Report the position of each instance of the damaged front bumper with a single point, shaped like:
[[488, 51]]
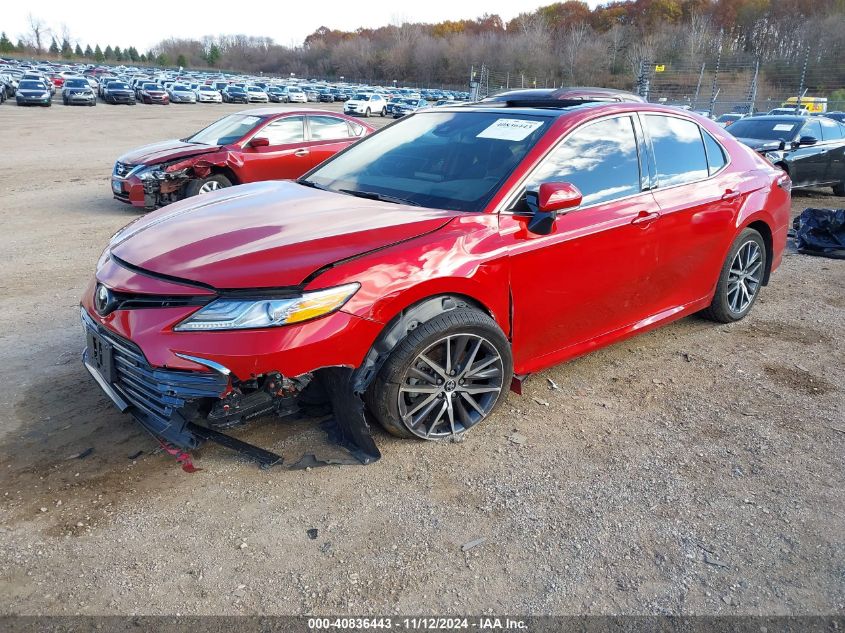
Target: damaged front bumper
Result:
[[184, 407]]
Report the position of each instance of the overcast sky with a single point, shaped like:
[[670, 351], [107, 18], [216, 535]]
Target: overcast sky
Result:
[[143, 24]]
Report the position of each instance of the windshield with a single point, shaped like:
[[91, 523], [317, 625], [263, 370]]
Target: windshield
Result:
[[76, 83], [729, 117], [151, 87], [30, 84], [207, 89], [118, 85], [444, 160], [227, 130], [178, 88], [765, 129], [361, 97], [255, 89]]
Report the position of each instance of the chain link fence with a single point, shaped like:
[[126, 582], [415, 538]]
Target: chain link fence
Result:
[[725, 84]]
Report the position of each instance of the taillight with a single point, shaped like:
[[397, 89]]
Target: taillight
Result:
[[784, 182]]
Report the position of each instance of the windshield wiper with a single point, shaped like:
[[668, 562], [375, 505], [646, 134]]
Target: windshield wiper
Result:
[[313, 185], [372, 195]]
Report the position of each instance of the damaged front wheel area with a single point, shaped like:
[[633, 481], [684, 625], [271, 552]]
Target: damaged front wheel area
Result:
[[444, 377], [199, 186]]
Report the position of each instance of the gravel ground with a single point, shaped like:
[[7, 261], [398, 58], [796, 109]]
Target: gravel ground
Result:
[[696, 469]]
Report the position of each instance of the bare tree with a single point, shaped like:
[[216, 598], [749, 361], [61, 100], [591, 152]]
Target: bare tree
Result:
[[38, 31]]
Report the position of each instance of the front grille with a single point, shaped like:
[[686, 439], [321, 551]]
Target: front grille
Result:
[[156, 394]]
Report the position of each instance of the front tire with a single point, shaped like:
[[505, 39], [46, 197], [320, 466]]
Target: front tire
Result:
[[740, 279], [367, 113], [447, 375], [200, 186], [384, 112], [839, 190]]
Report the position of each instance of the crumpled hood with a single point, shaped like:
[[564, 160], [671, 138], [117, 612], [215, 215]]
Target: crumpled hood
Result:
[[164, 151], [267, 234], [760, 145]]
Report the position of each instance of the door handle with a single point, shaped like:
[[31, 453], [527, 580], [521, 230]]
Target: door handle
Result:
[[730, 194], [645, 217], [301, 152]]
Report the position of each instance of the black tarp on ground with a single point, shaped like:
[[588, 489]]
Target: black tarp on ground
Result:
[[821, 232]]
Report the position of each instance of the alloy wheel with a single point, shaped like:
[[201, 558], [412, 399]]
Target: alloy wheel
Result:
[[744, 276], [450, 386], [208, 187]]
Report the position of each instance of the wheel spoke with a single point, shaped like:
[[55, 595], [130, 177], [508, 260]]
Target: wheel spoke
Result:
[[492, 372], [473, 371], [437, 419], [420, 405], [420, 389], [476, 390], [450, 412], [472, 402], [436, 367], [418, 373], [459, 350], [448, 355], [415, 422]]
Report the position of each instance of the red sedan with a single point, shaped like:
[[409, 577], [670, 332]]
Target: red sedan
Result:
[[431, 267], [259, 144]]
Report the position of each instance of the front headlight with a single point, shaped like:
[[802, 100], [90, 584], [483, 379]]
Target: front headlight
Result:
[[241, 314], [46, 94]]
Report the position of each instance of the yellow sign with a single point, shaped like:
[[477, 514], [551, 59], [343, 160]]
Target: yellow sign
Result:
[[660, 68]]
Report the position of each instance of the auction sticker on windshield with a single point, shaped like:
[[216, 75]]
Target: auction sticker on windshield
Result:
[[783, 127], [510, 129]]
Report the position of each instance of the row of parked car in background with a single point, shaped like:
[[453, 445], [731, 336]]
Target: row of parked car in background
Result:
[[32, 83]]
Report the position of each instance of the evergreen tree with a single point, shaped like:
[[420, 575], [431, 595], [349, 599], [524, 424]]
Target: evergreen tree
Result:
[[77, 51], [133, 54], [88, 54], [98, 53], [118, 54], [21, 46], [213, 55], [143, 58], [181, 61], [6, 45], [54, 48], [67, 49], [162, 60], [108, 53]]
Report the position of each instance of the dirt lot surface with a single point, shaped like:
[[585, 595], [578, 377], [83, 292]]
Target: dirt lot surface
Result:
[[697, 469]]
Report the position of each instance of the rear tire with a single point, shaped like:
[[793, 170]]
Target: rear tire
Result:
[[367, 113], [199, 186], [740, 279], [455, 394], [384, 112]]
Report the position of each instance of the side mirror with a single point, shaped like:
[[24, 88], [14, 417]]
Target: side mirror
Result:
[[259, 141], [547, 201], [807, 140]]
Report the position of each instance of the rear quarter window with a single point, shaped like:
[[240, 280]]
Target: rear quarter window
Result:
[[678, 150], [716, 158]]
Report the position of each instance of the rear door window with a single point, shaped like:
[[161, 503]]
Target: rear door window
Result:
[[678, 150], [831, 130], [326, 128], [601, 159], [285, 131]]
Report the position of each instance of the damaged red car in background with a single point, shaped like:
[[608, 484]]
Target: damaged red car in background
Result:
[[429, 268], [260, 144]]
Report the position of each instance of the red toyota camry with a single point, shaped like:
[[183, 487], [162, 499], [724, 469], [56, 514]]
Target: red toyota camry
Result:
[[258, 144], [426, 269]]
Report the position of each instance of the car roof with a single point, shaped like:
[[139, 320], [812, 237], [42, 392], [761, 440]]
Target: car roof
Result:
[[565, 108], [300, 111], [792, 118]]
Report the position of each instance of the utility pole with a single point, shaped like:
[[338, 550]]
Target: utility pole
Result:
[[698, 87], [801, 89], [752, 93], [714, 92]]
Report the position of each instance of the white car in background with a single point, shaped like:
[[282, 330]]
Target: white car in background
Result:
[[256, 94], [366, 104], [209, 94], [296, 95]]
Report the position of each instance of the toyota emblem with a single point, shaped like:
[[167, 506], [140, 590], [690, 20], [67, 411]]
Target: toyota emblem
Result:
[[103, 300]]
